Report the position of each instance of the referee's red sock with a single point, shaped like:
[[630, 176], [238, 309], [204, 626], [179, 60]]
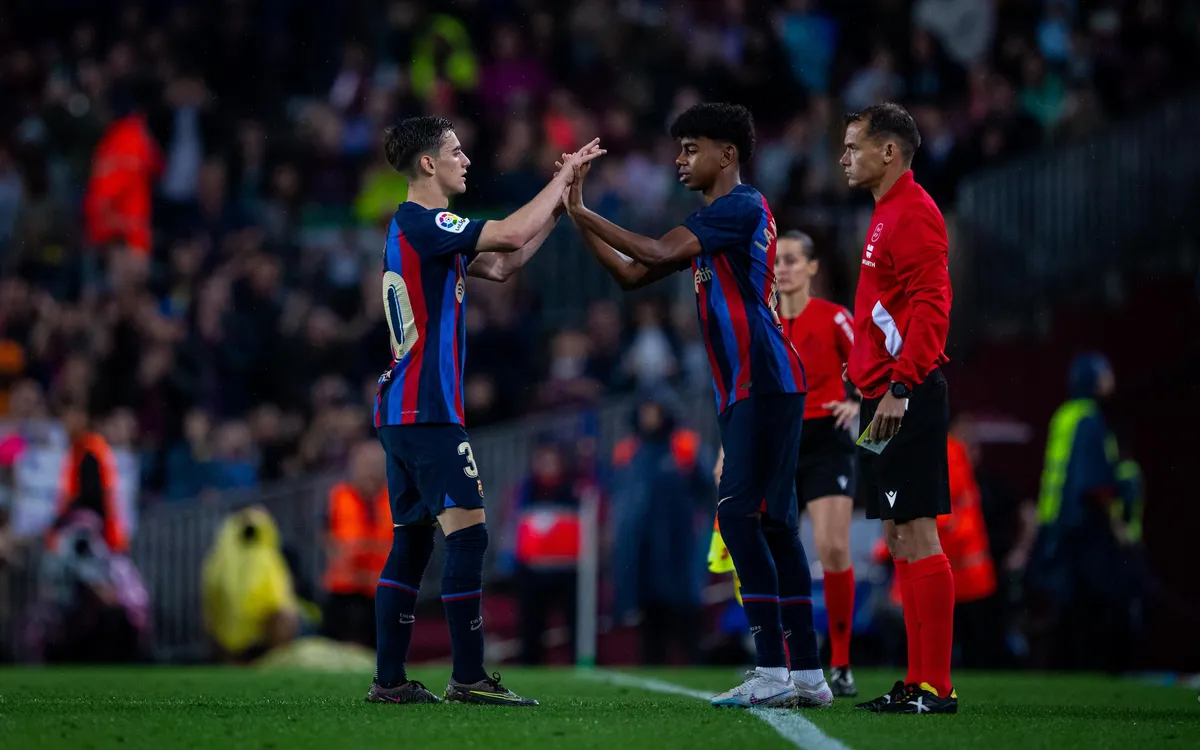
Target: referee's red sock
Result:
[[839, 608], [912, 623], [933, 589]]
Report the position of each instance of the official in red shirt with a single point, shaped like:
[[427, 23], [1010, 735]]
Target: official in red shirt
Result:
[[902, 316], [823, 334]]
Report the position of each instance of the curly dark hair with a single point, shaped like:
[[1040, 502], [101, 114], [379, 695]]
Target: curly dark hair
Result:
[[890, 120], [408, 140], [730, 123]]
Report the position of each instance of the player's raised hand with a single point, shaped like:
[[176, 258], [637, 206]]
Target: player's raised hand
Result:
[[583, 156], [573, 194]]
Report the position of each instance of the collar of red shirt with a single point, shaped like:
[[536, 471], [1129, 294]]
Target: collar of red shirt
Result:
[[903, 182]]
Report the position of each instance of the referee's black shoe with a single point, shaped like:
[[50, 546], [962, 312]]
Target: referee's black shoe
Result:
[[876, 705], [922, 699]]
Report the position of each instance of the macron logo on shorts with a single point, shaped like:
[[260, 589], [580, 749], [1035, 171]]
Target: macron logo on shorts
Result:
[[891, 498]]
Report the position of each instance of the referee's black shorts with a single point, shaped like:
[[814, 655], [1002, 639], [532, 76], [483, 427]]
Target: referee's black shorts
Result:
[[911, 477], [826, 464]]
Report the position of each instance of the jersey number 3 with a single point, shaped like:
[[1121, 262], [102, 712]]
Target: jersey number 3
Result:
[[398, 308], [471, 469]]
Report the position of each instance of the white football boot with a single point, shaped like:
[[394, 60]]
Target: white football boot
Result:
[[761, 689], [812, 695]]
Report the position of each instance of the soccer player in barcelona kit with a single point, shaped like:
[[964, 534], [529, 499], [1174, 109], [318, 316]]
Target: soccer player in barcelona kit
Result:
[[729, 245], [431, 471], [901, 318], [823, 334]]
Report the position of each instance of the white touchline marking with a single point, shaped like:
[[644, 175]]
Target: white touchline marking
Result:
[[789, 724]]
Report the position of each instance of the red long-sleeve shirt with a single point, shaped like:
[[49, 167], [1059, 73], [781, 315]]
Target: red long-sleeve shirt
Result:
[[902, 306], [823, 335]]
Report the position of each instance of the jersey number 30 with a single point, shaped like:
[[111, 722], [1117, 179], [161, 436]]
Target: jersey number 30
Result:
[[398, 308]]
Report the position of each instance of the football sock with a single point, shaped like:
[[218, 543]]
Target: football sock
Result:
[[912, 623], [795, 596], [933, 590], [839, 606], [462, 596], [396, 599], [760, 588]]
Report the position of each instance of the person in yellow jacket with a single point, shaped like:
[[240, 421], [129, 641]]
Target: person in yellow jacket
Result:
[[249, 600], [719, 560]]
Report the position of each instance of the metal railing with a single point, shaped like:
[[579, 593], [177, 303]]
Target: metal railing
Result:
[[173, 539], [1074, 224]]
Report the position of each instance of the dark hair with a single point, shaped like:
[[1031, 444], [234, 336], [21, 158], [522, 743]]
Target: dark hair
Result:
[[731, 123], [893, 121], [805, 241], [408, 140]]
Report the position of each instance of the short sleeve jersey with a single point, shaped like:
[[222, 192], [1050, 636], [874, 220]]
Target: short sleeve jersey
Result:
[[734, 277], [425, 261]]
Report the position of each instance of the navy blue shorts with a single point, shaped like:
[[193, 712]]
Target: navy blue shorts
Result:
[[761, 438], [430, 467]]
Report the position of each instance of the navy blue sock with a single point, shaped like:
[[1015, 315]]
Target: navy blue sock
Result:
[[462, 595], [396, 599], [743, 536], [795, 595]]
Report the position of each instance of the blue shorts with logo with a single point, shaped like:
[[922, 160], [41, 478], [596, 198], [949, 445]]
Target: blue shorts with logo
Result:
[[430, 467], [761, 438]]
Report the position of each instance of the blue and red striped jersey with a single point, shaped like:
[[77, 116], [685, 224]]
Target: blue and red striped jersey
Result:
[[425, 263], [734, 278]]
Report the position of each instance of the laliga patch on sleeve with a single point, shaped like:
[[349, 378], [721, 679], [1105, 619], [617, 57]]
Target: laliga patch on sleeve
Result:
[[451, 223]]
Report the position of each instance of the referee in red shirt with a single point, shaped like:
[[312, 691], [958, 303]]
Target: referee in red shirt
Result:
[[901, 317]]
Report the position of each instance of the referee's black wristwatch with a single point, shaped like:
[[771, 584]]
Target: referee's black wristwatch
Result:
[[900, 390]]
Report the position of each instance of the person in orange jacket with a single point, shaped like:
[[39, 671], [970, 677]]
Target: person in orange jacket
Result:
[[963, 536], [89, 481], [359, 539]]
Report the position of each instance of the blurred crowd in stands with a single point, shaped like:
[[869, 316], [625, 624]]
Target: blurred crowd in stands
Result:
[[191, 197]]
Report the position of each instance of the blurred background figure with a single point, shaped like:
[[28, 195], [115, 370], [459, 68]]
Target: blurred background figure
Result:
[[249, 601], [93, 605], [1089, 513], [359, 539], [662, 507], [89, 480], [545, 546], [978, 620]]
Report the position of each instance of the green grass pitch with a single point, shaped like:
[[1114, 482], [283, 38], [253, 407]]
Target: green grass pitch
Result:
[[294, 710]]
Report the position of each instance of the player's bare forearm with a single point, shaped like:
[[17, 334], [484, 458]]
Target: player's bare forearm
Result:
[[629, 273], [674, 247], [495, 266], [519, 229]]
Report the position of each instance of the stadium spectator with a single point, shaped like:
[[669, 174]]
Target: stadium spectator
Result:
[[89, 482], [661, 505], [359, 539], [542, 547]]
